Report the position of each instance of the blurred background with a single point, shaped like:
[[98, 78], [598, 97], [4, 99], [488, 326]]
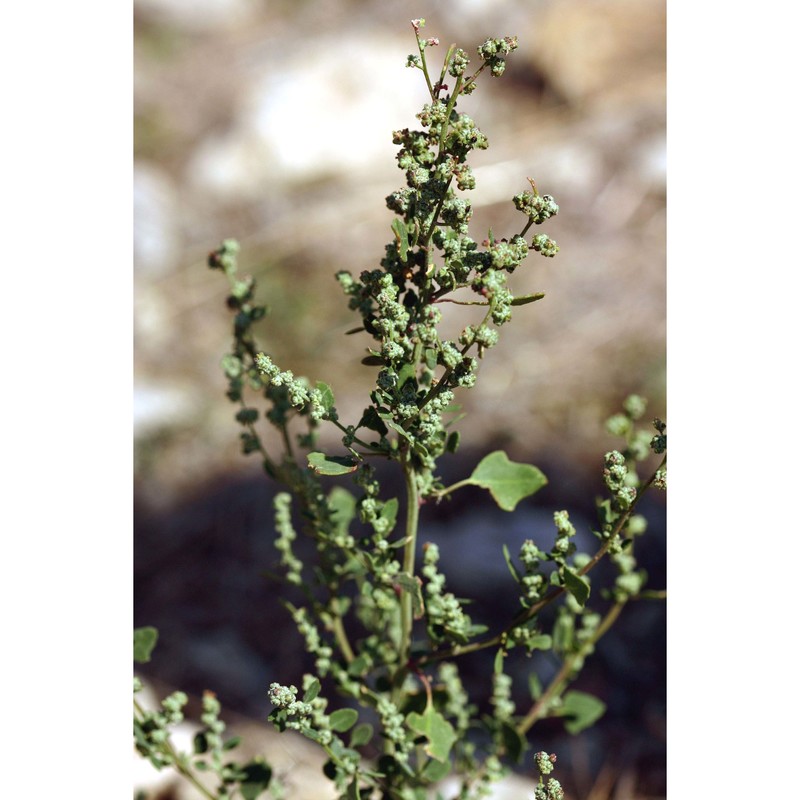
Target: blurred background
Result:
[[270, 122]]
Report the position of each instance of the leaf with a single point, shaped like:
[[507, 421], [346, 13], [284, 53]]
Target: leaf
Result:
[[436, 729], [389, 513], [577, 586], [412, 585], [401, 234], [331, 465], [313, 690], [352, 790], [498, 661], [510, 564], [343, 507], [327, 395], [361, 735], [515, 744], [144, 640], [256, 781], [372, 420], [507, 481], [524, 299], [343, 719], [581, 709], [435, 771]]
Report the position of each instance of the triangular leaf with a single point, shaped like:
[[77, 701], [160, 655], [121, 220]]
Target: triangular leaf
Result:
[[331, 465], [436, 729], [327, 395], [581, 709], [144, 640], [508, 481], [576, 585]]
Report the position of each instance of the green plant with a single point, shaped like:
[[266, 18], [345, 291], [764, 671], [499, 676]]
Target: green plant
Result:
[[385, 634]]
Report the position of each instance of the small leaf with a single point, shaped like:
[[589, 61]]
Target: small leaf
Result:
[[343, 507], [401, 234], [507, 481], [372, 420], [199, 744], [581, 709], [331, 465], [534, 686], [352, 790], [343, 719], [514, 743], [389, 513], [412, 585], [527, 298], [144, 640], [451, 445], [510, 564], [435, 771], [498, 661], [373, 361], [257, 778], [436, 729], [313, 690], [541, 642], [361, 735], [577, 586], [327, 395]]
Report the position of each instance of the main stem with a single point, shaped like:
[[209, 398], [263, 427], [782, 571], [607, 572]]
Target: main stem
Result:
[[409, 554]]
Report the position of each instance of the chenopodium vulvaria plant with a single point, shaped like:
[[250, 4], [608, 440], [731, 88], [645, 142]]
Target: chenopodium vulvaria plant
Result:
[[384, 632]]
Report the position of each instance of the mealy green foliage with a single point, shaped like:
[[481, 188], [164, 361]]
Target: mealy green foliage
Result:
[[384, 632]]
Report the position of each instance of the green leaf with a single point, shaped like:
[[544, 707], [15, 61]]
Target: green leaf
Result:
[[581, 709], [144, 640], [510, 564], [327, 395], [361, 735], [313, 690], [343, 719], [343, 507], [541, 642], [372, 420], [412, 585], [256, 781], [436, 729], [577, 586], [524, 299], [507, 481], [498, 661], [435, 771], [401, 234], [352, 790], [514, 743], [331, 465], [389, 512], [534, 686]]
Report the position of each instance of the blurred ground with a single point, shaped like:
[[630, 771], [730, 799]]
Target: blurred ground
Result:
[[271, 122]]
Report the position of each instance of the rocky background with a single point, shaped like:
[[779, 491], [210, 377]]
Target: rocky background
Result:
[[271, 122]]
